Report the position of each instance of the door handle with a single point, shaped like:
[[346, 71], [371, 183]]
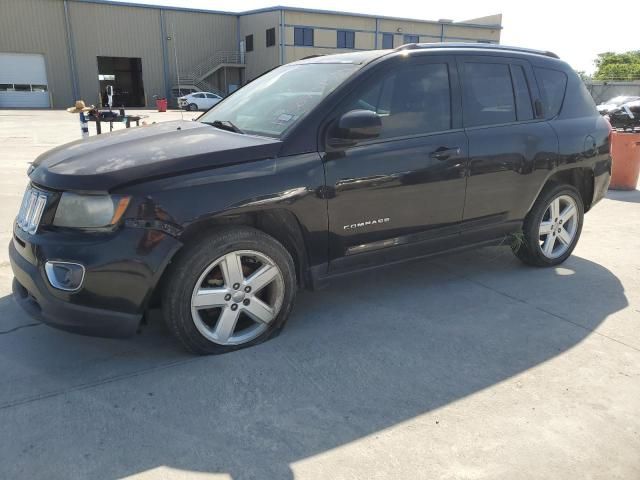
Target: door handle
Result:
[[443, 153]]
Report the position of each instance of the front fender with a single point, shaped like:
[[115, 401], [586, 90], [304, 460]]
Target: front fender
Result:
[[186, 202]]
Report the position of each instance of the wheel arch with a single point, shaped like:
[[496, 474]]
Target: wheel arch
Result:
[[582, 178], [279, 223]]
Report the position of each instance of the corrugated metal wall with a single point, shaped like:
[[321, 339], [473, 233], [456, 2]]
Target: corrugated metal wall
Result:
[[37, 26], [326, 25], [603, 91], [196, 37], [262, 58], [152, 33], [116, 31]]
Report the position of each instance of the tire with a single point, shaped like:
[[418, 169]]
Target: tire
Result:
[[542, 249], [224, 313], [192, 107]]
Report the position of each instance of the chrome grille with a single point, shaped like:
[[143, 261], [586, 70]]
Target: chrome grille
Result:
[[30, 213]]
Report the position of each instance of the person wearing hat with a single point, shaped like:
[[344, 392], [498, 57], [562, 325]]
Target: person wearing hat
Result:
[[81, 108]]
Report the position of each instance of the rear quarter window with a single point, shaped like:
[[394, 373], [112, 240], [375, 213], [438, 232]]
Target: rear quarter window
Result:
[[553, 85]]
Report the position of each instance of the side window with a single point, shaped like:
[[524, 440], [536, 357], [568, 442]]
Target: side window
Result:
[[248, 42], [387, 40], [410, 101], [488, 94], [346, 39], [198, 95], [524, 109], [210, 95], [303, 36], [271, 37], [412, 39], [552, 84]]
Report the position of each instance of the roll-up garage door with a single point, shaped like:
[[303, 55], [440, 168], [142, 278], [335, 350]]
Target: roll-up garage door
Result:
[[23, 81]]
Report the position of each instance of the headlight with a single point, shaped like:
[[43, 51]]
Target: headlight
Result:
[[90, 211]]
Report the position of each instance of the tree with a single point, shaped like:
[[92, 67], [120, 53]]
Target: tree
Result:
[[586, 78], [618, 66]]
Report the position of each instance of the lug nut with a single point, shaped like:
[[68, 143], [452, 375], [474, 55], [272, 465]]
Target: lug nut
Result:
[[247, 289], [236, 286], [234, 307], [246, 302], [227, 297]]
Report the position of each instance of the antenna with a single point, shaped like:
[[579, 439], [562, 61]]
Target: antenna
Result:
[[175, 54]]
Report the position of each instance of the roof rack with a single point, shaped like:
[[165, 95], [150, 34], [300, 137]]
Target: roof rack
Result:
[[484, 46]]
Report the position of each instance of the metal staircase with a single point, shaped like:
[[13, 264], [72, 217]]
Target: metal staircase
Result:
[[199, 74]]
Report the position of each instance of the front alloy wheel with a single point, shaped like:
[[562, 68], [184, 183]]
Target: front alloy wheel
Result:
[[231, 289], [237, 297]]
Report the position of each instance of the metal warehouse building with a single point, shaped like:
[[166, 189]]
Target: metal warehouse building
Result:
[[53, 52]]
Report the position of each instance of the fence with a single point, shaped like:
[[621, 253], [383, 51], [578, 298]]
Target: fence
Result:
[[601, 91]]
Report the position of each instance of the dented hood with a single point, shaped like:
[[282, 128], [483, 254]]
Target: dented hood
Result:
[[108, 161]]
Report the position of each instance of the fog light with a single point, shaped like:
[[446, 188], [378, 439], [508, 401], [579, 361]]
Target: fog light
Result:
[[65, 275]]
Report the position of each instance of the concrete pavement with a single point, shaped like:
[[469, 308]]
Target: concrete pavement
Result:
[[470, 366]]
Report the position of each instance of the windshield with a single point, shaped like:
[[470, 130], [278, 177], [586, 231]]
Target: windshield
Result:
[[274, 102]]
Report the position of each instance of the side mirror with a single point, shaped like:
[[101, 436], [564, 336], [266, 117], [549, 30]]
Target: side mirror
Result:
[[357, 125]]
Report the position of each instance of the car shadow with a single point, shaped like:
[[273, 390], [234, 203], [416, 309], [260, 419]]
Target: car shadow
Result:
[[371, 351], [632, 196]]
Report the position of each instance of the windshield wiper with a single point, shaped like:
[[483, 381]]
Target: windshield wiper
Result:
[[225, 125]]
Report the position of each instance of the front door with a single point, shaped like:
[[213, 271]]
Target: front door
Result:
[[402, 193]]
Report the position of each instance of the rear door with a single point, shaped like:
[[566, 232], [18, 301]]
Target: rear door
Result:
[[399, 193], [511, 149]]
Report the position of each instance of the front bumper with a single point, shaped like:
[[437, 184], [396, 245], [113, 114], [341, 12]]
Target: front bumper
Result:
[[122, 271], [32, 296]]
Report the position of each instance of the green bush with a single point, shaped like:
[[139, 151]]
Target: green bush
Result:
[[618, 66]]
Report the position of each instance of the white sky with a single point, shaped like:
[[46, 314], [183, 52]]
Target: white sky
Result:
[[576, 30]]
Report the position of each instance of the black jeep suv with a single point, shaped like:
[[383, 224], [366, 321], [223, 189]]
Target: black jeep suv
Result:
[[318, 168]]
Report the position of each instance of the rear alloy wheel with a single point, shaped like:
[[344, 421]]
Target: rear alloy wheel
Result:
[[230, 290], [558, 227], [552, 228]]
